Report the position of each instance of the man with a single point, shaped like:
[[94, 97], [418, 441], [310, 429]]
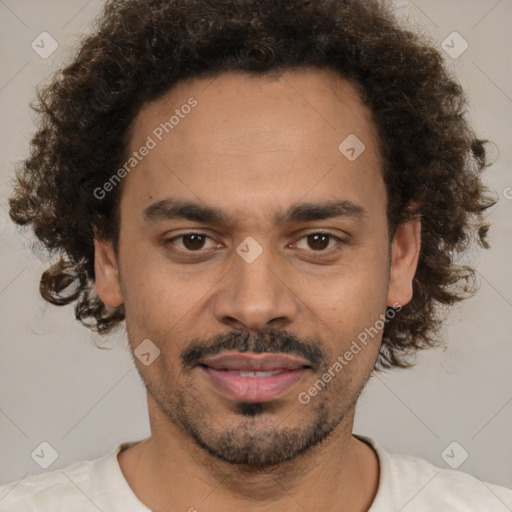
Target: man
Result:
[[269, 194]]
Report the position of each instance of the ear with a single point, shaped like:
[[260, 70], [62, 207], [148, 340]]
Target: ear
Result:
[[404, 261], [106, 274]]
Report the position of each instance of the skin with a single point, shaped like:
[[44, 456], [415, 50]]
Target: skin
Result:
[[254, 146]]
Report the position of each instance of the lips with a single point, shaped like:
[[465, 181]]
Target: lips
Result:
[[237, 361], [254, 377]]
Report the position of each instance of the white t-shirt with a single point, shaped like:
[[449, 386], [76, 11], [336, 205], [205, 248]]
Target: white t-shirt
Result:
[[406, 484]]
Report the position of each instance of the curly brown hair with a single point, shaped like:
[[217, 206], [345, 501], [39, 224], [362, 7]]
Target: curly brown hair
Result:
[[139, 50]]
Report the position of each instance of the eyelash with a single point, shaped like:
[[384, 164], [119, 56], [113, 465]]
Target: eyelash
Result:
[[169, 241]]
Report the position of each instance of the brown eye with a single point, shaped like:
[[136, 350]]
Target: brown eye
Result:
[[190, 242], [319, 241], [194, 241]]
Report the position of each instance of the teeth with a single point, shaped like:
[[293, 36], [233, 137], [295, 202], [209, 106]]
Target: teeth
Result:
[[254, 373]]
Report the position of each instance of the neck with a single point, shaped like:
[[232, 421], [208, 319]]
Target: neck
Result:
[[170, 470]]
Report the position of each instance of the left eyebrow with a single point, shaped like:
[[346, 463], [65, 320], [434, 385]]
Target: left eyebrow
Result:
[[169, 209], [322, 211]]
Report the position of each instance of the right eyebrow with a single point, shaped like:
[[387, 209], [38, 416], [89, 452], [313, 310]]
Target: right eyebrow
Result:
[[169, 209]]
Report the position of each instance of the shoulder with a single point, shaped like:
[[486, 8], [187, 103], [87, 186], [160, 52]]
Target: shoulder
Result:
[[411, 483], [74, 487], [436, 485], [54, 490]]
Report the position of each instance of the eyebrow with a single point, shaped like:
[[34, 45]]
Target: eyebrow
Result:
[[171, 209]]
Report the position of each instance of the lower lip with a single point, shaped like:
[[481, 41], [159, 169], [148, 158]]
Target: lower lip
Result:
[[255, 389]]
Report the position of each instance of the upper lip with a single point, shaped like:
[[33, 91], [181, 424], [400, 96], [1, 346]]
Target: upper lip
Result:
[[254, 362]]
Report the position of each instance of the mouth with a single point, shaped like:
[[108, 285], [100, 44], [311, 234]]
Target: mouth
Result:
[[254, 377]]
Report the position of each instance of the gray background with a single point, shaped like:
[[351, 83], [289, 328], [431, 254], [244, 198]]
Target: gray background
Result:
[[55, 386]]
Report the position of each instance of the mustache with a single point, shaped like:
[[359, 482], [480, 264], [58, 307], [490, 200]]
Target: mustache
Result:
[[269, 341]]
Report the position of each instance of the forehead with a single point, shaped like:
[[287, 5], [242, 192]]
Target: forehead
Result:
[[253, 134], [305, 102]]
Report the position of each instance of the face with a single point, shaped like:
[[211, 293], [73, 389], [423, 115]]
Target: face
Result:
[[247, 229]]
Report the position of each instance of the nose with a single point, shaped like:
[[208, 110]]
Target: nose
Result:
[[256, 295]]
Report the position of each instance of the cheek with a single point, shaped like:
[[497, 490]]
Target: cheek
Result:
[[353, 293], [159, 299], [347, 308]]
